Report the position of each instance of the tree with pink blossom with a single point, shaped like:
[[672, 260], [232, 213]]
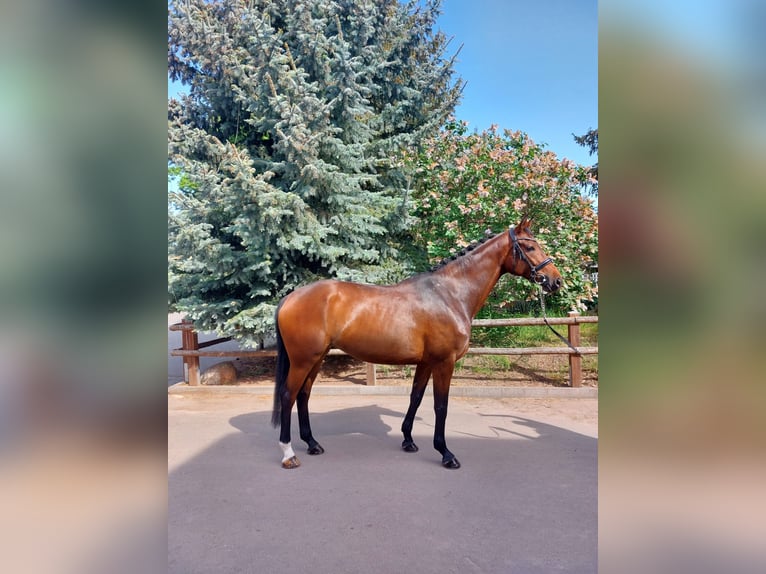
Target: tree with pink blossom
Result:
[[465, 184]]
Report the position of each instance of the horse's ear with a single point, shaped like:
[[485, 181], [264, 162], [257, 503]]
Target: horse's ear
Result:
[[525, 222]]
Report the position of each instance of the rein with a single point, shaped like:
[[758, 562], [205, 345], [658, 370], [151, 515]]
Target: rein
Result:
[[537, 278], [555, 332]]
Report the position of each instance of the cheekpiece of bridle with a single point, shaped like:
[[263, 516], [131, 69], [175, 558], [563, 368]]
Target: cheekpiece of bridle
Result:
[[535, 274]]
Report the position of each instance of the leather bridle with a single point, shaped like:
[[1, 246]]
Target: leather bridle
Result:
[[538, 278], [535, 275]]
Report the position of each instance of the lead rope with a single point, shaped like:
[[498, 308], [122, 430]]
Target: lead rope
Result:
[[555, 332]]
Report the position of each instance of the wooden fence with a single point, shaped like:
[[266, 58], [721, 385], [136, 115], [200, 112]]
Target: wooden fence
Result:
[[191, 349]]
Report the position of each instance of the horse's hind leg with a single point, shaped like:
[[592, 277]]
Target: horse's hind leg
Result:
[[419, 383], [303, 411], [289, 460], [296, 379]]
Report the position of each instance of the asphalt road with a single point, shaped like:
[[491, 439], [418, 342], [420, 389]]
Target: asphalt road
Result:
[[524, 501]]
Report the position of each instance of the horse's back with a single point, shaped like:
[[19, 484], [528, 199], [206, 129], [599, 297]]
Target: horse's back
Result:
[[331, 305]]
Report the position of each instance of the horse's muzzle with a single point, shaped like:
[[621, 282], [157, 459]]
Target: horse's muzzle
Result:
[[551, 286]]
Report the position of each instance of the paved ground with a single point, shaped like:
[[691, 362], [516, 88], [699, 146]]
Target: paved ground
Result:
[[524, 501]]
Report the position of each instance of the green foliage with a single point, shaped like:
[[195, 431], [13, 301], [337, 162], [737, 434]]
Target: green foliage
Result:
[[468, 183], [589, 140], [282, 148]]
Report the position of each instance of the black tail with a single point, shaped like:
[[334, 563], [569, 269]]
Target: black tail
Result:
[[283, 366]]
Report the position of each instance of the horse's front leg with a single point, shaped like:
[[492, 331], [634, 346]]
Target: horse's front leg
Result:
[[419, 384], [442, 379]]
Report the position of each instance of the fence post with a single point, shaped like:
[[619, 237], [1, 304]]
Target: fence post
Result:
[[575, 361], [370, 374], [190, 342]]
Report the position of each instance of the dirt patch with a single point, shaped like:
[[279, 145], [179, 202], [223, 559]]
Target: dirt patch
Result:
[[473, 370]]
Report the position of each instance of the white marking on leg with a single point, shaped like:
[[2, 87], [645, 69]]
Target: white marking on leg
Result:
[[287, 451]]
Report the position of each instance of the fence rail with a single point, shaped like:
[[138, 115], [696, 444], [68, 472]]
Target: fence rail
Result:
[[191, 349]]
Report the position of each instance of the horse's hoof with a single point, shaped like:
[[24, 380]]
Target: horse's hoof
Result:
[[409, 446], [292, 462], [316, 449], [451, 463]]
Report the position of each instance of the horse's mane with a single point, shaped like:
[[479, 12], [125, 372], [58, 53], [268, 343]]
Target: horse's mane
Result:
[[467, 249]]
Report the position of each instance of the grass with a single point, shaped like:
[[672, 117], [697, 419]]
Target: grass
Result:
[[488, 364], [532, 336]]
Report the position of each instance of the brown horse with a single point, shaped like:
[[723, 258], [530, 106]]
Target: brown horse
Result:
[[424, 320]]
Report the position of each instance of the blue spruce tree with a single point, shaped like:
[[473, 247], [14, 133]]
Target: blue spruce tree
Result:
[[283, 146]]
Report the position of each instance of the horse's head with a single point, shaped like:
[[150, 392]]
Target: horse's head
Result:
[[527, 259]]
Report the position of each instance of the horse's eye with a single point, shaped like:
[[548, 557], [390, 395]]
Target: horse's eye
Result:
[[530, 248]]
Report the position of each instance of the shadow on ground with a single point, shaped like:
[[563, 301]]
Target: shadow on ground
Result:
[[524, 501]]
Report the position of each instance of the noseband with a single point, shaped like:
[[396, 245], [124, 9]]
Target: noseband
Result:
[[535, 274]]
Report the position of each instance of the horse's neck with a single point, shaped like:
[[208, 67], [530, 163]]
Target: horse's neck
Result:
[[471, 278]]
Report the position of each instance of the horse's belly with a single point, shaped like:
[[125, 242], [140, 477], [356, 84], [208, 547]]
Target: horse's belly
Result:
[[381, 349], [399, 342]]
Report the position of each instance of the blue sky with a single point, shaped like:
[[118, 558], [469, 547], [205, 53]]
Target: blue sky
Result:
[[530, 65]]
